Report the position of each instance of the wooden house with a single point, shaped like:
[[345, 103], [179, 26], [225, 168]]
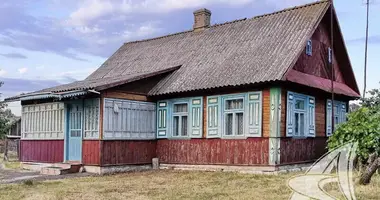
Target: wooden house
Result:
[[247, 93]]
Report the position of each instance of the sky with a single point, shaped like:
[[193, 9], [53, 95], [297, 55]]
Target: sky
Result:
[[44, 43]]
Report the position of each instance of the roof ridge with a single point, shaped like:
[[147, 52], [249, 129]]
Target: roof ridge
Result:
[[233, 21]]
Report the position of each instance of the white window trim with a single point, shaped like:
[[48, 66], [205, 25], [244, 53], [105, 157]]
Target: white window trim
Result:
[[180, 115]]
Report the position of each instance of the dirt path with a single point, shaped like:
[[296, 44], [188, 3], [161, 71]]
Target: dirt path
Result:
[[8, 176]]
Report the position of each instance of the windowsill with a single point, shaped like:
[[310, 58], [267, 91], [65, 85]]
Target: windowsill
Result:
[[234, 137], [179, 138], [299, 137]]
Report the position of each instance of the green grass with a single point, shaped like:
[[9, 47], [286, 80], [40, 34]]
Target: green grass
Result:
[[12, 162], [167, 184]]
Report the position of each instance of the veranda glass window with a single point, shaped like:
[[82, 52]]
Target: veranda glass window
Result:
[[180, 115], [299, 117], [234, 115]]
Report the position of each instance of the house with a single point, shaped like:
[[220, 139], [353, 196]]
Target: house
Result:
[[252, 93]]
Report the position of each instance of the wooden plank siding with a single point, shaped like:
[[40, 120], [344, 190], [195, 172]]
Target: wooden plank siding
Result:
[[317, 63], [42, 151], [251, 151], [295, 151], [90, 152], [123, 95], [127, 152], [266, 112]]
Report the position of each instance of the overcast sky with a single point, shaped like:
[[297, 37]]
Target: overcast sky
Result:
[[49, 42]]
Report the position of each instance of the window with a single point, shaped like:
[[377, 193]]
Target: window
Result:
[[232, 116], [180, 118], [129, 120], [43, 121], [300, 115], [180, 113], [340, 111], [91, 118], [309, 48], [330, 55]]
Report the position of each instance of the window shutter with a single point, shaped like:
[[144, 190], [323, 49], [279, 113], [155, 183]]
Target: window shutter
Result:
[[213, 117], [196, 116], [290, 115], [162, 119], [343, 112], [309, 48], [330, 55], [311, 116], [328, 118], [254, 114]]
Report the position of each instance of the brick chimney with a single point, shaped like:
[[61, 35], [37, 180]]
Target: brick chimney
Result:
[[201, 19]]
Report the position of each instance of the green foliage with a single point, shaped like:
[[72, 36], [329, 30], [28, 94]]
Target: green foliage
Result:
[[4, 118], [363, 127]]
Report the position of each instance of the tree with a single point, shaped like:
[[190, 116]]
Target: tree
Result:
[[5, 115], [363, 127]]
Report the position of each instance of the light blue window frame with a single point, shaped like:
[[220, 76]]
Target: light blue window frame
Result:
[[340, 112], [180, 116], [234, 113], [308, 112], [165, 118], [252, 115], [309, 48]]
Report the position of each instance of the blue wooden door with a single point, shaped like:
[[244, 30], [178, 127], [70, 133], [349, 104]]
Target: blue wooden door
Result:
[[75, 130]]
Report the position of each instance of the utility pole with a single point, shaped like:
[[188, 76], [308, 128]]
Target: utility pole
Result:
[[331, 62], [366, 51]]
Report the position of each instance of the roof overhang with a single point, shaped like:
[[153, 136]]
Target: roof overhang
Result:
[[321, 83], [48, 95]]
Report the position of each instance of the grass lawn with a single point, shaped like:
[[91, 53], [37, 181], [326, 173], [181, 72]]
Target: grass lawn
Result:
[[12, 162], [168, 185]]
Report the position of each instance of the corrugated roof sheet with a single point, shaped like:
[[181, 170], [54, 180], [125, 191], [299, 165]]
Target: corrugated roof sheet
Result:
[[246, 51], [235, 53], [80, 87]]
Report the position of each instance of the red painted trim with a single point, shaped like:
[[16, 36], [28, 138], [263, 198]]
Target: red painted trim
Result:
[[44, 151]]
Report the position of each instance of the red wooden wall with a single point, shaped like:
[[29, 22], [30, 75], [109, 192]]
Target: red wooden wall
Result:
[[45, 151], [123, 152], [317, 64], [302, 150], [252, 151], [91, 152]]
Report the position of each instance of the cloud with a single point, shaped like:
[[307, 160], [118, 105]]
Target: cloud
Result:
[[375, 39], [13, 55], [22, 70], [91, 10], [14, 86], [2, 72], [99, 27]]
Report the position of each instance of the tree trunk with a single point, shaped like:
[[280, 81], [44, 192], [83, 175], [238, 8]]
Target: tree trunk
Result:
[[373, 165]]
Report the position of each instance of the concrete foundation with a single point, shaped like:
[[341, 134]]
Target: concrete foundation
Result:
[[116, 169]]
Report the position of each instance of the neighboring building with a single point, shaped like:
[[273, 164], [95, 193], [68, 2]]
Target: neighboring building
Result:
[[251, 92]]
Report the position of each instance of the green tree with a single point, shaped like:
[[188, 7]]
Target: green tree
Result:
[[4, 117], [363, 127]]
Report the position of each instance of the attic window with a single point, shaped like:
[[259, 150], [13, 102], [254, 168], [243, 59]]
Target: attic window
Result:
[[330, 55], [309, 48]]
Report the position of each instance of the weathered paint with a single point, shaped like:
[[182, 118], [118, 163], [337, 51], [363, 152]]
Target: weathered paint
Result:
[[317, 64], [44, 151], [251, 151], [90, 152], [302, 150], [127, 152]]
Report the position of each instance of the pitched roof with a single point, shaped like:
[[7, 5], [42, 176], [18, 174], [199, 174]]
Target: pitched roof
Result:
[[245, 51]]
